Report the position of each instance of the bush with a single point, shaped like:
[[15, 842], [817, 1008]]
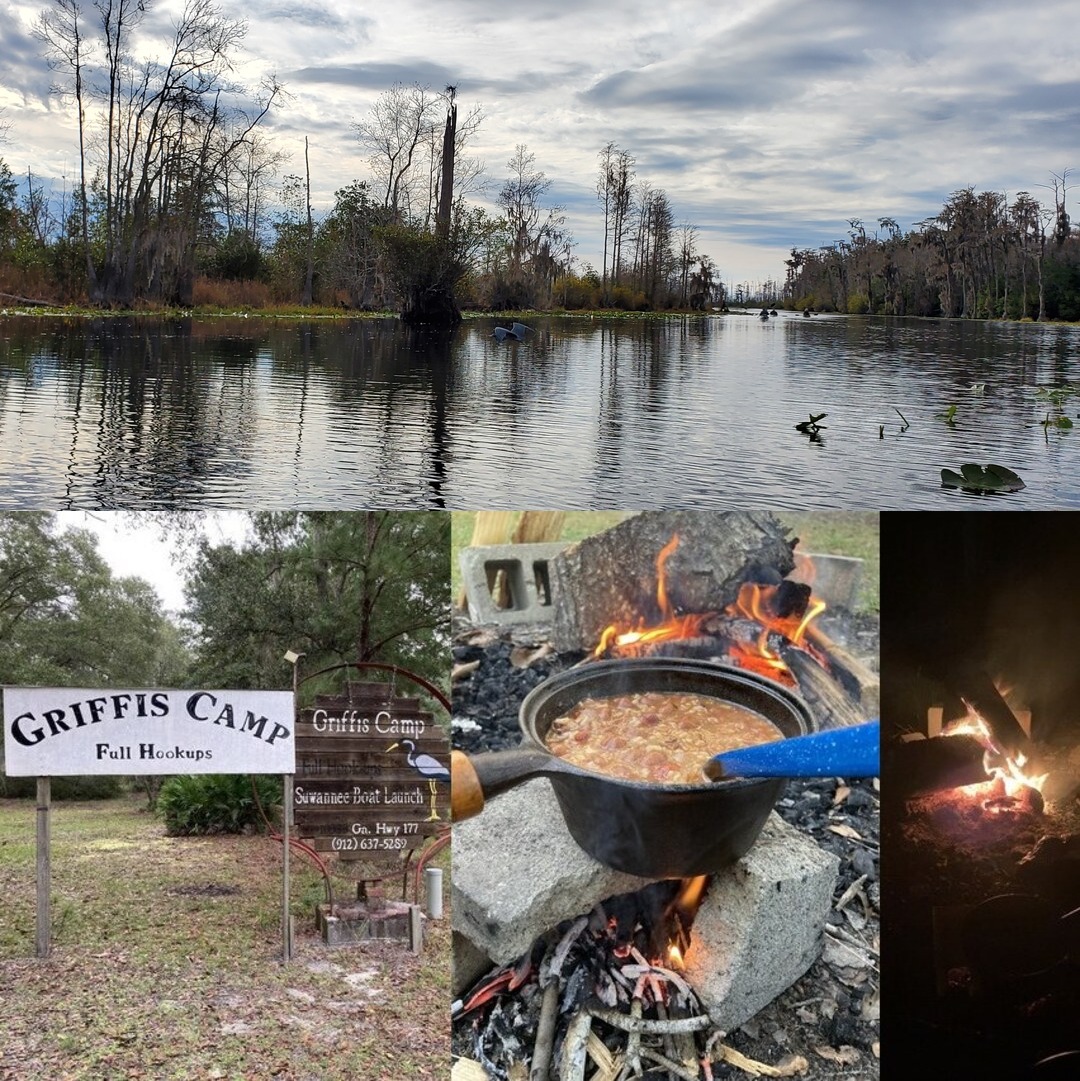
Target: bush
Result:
[[858, 304], [215, 803], [231, 295], [62, 787], [629, 300], [575, 293]]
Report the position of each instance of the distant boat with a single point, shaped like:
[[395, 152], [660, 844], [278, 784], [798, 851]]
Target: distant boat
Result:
[[763, 315]]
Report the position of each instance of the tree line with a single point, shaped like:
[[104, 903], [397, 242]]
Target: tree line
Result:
[[181, 198], [983, 256], [335, 587]]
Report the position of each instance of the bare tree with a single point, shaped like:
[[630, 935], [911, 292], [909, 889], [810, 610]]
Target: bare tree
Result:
[[535, 234], [687, 255], [401, 123], [605, 182], [166, 137], [60, 30]]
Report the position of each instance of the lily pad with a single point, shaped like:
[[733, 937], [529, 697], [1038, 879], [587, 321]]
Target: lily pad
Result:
[[978, 478]]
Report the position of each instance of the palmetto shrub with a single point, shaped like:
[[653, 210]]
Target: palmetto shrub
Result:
[[216, 803]]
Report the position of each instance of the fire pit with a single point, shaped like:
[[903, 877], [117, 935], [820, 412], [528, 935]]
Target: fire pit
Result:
[[598, 972], [983, 831]]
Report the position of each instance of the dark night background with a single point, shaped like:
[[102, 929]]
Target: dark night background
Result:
[[1002, 589]]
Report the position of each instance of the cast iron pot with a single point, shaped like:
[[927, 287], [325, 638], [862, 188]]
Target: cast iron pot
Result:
[[651, 830]]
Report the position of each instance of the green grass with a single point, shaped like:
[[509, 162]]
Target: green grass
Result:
[[149, 979], [846, 533]]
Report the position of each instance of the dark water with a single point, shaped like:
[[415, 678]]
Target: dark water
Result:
[[696, 411]]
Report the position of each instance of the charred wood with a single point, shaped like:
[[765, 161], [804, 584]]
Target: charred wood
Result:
[[831, 707], [611, 578], [931, 765]]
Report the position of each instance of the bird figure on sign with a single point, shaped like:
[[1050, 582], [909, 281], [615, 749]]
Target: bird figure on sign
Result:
[[427, 766]]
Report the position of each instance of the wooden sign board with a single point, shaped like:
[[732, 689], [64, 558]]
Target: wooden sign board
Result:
[[372, 774]]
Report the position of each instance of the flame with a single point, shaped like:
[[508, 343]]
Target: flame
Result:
[[675, 958], [631, 642], [754, 602], [1003, 770]]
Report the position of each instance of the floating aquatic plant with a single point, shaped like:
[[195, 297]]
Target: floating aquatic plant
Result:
[[979, 478]]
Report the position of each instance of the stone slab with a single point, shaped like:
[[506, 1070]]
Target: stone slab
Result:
[[521, 563], [760, 926], [517, 873]]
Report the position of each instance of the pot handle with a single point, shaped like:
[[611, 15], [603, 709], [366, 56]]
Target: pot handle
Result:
[[476, 778]]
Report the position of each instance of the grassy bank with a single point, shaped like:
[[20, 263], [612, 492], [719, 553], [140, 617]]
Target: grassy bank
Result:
[[846, 533], [165, 963]]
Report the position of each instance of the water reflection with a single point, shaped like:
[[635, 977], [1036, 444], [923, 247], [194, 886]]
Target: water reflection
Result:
[[590, 413]]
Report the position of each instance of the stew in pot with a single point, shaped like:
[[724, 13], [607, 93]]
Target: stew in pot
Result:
[[657, 736]]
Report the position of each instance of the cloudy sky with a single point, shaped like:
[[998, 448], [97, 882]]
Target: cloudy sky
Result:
[[768, 122]]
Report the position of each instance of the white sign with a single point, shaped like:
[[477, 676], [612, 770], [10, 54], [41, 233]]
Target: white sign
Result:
[[52, 732]]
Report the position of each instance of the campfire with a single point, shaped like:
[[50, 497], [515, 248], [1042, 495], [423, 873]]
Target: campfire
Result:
[[618, 977], [753, 632], [987, 852], [1009, 787]]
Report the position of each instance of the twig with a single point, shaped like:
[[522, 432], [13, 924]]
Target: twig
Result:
[[646, 1026], [668, 1064], [545, 1033], [903, 418], [633, 1041], [574, 1049], [851, 940]]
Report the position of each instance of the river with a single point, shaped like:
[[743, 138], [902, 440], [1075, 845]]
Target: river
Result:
[[696, 411]]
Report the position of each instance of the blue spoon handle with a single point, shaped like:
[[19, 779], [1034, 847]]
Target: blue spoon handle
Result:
[[842, 752]]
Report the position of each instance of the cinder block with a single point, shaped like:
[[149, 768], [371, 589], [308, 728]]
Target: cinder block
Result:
[[524, 567], [518, 873], [760, 925], [470, 963]]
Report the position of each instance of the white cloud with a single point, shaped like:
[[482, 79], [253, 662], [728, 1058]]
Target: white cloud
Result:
[[774, 116]]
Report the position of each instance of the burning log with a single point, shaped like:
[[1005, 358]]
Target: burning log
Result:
[[603, 579], [932, 765], [823, 694]]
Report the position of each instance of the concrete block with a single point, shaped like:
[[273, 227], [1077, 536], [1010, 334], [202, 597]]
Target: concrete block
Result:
[[357, 923], [760, 926], [469, 964], [518, 872], [525, 568], [835, 578]]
